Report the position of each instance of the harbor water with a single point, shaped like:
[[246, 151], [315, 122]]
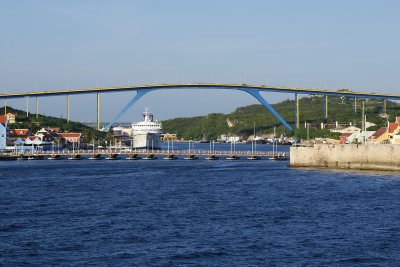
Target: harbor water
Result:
[[195, 213]]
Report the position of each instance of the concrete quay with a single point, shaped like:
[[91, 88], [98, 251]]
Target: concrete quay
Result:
[[385, 157]]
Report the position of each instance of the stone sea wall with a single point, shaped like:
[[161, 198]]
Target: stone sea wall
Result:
[[365, 157]]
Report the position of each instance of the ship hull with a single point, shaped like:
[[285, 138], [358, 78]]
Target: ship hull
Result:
[[147, 140]]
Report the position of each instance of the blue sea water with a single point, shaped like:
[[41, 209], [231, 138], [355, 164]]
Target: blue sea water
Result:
[[195, 213]]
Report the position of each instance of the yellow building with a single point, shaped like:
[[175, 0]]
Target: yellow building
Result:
[[396, 139], [168, 136], [11, 117], [380, 136]]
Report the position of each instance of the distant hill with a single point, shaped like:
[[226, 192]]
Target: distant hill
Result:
[[243, 119], [34, 123]]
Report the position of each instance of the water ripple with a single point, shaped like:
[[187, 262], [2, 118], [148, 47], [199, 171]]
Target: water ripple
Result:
[[195, 214]]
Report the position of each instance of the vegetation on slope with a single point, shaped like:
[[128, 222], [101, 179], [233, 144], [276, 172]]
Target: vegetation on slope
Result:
[[244, 119], [34, 123]]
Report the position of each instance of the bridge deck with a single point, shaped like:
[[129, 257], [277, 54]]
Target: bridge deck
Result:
[[141, 153], [204, 86]]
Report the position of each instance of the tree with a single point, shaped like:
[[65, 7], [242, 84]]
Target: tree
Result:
[[110, 135]]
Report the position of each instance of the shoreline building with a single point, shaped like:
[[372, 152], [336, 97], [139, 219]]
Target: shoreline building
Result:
[[11, 117], [73, 140], [3, 132], [168, 136]]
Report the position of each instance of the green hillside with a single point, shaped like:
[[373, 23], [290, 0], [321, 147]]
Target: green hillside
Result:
[[34, 123], [243, 119]]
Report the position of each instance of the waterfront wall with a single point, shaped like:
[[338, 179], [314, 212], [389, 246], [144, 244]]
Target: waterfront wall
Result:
[[366, 157]]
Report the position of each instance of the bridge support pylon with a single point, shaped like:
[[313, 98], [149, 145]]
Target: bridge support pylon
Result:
[[37, 107], [256, 94], [355, 105], [325, 107], [27, 106], [384, 106], [297, 111], [98, 111], [67, 108]]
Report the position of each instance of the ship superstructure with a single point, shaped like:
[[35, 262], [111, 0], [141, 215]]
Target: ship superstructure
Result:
[[147, 133]]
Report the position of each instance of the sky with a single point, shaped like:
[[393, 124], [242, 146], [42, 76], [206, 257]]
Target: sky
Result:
[[57, 44]]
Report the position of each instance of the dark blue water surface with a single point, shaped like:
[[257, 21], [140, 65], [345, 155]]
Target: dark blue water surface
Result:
[[195, 213]]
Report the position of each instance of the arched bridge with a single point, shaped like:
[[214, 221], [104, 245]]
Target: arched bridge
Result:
[[253, 90]]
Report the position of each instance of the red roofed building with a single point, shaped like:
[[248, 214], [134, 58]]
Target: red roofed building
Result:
[[47, 138], [380, 136], [20, 132], [393, 130], [3, 120], [393, 127], [74, 139], [49, 135], [32, 138], [54, 129], [343, 138]]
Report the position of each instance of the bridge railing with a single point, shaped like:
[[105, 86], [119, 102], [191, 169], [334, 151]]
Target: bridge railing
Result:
[[142, 152]]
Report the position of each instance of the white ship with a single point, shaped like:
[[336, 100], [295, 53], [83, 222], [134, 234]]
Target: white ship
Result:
[[147, 133]]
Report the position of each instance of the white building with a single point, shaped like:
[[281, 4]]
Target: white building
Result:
[[230, 139], [3, 132], [122, 131], [350, 129], [360, 137]]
